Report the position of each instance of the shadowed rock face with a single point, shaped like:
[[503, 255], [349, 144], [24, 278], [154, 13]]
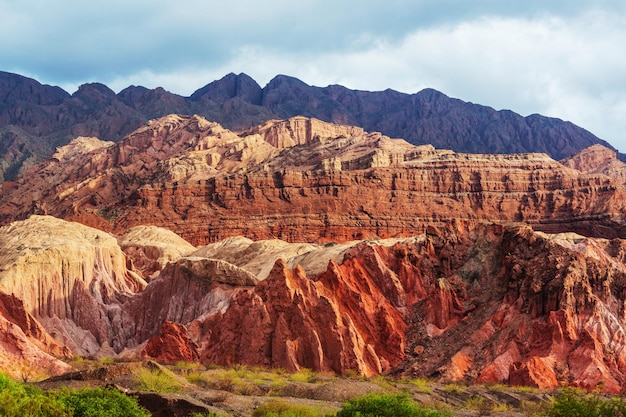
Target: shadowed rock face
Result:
[[465, 302], [35, 118], [304, 180]]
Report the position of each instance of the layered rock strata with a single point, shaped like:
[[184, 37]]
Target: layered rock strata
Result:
[[305, 180], [467, 302], [486, 304]]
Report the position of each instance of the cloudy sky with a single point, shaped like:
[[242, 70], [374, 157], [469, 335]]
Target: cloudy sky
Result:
[[560, 58]]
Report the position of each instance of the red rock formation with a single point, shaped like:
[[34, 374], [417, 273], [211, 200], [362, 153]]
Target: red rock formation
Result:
[[206, 183], [598, 159], [171, 345], [466, 302], [489, 304]]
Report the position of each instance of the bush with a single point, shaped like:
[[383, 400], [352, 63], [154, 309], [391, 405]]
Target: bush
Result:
[[18, 400], [385, 405], [101, 402], [571, 403]]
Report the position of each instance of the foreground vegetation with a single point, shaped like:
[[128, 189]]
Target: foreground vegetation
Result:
[[19, 400], [287, 395]]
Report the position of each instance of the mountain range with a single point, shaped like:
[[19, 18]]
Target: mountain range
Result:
[[302, 243], [299, 243], [36, 118]]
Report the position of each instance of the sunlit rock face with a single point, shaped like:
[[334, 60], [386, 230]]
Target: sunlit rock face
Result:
[[464, 302], [302, 244], [70, 278], [484, 304], [303, 180]]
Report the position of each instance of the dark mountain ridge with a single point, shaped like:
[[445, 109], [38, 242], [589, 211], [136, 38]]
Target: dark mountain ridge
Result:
[[36, 118]]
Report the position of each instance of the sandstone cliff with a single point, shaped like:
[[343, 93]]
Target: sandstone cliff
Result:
[[598, 159], [304, 180], [70, 278], [465, 302], [486, 304]]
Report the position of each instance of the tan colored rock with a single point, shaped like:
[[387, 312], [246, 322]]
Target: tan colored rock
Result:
[[151, 248], [598, 159], [308, 181], [69, 277], [299, 131]]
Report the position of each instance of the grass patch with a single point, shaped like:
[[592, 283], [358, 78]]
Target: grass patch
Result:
[[572, 403], [387, 405], [283, 409], [303, 375], [92, 402], [157, 381], [454, 388], [17, 399], [421, 385]]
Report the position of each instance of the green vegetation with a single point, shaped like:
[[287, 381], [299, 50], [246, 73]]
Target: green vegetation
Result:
[[94, 402], [158, 381], [283, 409], [386, 405], [571, 403], [421, 385], [17, 400]]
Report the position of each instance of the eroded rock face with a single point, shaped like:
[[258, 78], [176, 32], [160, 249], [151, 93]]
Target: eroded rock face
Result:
[[27, 351], [151, 248], [598, 159], [305, 180], [71, 278], [464, 302], [171, 345], [486, 304]]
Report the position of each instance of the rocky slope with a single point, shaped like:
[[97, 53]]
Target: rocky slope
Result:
[[481, 302], [304, 180], [35, 118]]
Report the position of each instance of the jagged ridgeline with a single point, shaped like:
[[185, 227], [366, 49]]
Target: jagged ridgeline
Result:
[[393, 258], [36, 118], [304, 180]]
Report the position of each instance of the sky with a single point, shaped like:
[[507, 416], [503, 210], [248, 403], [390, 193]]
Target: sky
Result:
[[559, 58]]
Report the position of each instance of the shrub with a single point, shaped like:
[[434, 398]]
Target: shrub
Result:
[[18, 400], [101, 402], [283, 409], [303, 375], [385, 405], [571, 403]]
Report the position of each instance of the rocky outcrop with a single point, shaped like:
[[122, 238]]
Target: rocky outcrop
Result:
[[171, 345], [598, 159], [487, 304], [206, 183], [151, 248], [27, 351], [463, 302], [41, 117], [70, 278]]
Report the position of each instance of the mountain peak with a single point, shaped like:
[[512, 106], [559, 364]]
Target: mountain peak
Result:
[[229, 87]]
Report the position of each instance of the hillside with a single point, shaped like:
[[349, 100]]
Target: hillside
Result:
[[300, 244], [36, 118]]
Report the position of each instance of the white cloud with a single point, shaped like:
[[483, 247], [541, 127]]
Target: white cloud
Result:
[[567, 68], [528, 59]]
